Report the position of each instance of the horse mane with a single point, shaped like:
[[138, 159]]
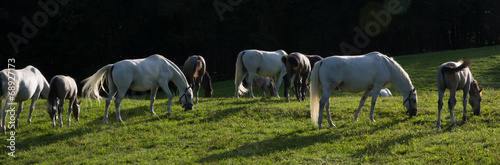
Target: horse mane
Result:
[[396, 65]]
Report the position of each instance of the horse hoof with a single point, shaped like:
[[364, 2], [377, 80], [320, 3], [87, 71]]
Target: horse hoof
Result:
[[168, 114]]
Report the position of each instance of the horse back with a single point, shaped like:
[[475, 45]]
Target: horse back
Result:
[[454, 75], [62, 87], [264, 63], [194, 66], [30, 83]]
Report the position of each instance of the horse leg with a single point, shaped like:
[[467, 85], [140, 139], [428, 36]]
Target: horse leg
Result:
[[361, 103], [327, 106], [60, 109], [165, 88], [19, 109], [440, 106], [451, 106], [119, 97], [325, 99], [375, 93], [464, 116], [70, 110], [197, 86], [304, 87], [250, 83], [296, 85], [287, 87], [153, 97], [112, 92], [33, 101], [278, 82]]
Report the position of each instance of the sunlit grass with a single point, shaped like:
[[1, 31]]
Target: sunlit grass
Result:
[[266, 130]]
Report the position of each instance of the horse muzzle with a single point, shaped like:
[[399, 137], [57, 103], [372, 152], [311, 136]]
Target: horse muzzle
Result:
[[188, 107], [412, 112]]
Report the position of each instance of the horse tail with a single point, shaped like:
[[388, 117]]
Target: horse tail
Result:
[[95, 82], [197, 67], [451, 69], [239, 73], [314, 92]]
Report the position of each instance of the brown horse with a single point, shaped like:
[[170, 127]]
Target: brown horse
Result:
[[299, 66], [194, 70], [62, 88], [262, 83], [457, 76], [313, 59], [207, 85]]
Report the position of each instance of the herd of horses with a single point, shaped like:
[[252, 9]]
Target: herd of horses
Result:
[[367, 73]]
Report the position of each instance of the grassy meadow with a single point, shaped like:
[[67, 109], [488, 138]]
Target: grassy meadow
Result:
[[266, 130]]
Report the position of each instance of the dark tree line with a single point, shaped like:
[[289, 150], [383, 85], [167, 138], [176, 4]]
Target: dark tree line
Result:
[[83, 35]]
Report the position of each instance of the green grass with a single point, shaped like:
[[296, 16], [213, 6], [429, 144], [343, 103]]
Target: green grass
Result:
[[225, 130]]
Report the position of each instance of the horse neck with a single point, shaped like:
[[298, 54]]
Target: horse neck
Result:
[[400, 79], [46, 89], [178, 78]]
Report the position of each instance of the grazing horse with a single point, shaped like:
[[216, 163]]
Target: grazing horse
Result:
[[313, 59], [194, 70], [299, 66], [263, 63], [354, 74], [62, 88], [19, 86], [138, 75], [262, 83], [384, 93], [207, 85], [457, 76]]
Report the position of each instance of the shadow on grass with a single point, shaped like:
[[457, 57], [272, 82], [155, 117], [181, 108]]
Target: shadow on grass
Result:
[[282, 142], [92, 125], [48, 138]]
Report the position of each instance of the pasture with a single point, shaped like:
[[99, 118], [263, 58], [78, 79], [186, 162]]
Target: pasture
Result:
[[226, 130]]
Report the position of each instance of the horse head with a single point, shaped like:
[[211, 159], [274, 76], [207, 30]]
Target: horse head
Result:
[[411, 103], [52, 110], [475, 97], [186, 98]]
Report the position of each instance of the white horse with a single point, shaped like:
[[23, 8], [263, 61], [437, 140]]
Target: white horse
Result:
[[259, 62], [62, 88], [457, 76], [19, 86], [139, 75], [354, 74]]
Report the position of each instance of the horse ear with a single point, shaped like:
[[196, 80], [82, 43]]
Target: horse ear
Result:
[[480, 90], [79, 102]]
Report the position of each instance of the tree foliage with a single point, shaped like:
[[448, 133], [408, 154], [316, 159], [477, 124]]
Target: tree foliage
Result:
[[86, 35]]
